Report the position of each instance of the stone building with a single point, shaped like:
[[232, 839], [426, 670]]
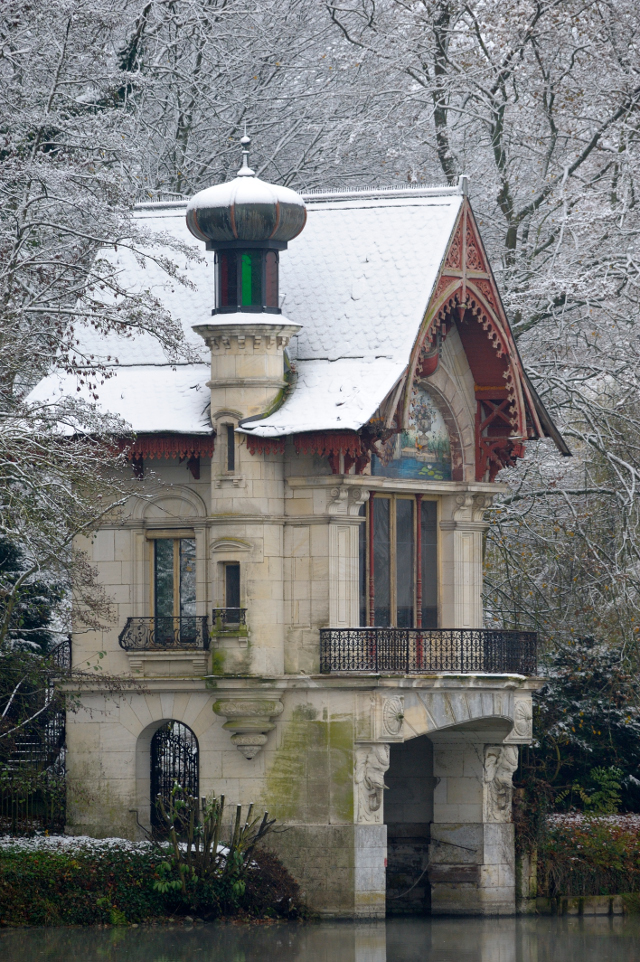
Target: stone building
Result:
[[298, 580]]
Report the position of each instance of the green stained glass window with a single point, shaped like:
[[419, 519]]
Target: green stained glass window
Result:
[[252, 279]]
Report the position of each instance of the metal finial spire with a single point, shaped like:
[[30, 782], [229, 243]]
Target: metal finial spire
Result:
[[245, 170]]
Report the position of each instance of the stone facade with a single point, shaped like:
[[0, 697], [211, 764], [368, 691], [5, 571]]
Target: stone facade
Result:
[[361, 765]]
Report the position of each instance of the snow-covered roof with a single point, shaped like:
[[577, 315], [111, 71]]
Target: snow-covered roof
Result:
[[151, 398], [358, 280]]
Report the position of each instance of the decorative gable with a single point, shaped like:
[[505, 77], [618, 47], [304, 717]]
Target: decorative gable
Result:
[[466, 297]]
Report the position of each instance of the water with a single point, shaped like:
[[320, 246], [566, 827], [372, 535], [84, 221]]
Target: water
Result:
[[615, 939]]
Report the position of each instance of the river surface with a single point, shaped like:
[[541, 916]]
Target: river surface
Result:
[[608, 939]]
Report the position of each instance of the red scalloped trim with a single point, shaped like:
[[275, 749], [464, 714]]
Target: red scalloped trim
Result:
[[168, 446], [496, 452], [486, 289], [257, 445], [328, 443]]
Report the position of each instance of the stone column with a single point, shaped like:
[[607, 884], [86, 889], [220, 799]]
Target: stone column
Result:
[[344, 530], [462, 527], [472, 842], [370, 840], [321, 550]]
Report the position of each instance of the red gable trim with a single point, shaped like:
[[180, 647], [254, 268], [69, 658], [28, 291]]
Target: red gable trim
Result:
[[466, 296]]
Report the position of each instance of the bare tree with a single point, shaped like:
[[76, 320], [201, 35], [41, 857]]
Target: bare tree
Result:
[[538, 101], [65, 211]]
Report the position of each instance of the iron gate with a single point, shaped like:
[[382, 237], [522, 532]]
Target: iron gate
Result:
[[174, 758]]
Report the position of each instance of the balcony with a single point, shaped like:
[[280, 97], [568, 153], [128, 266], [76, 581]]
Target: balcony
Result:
[[229, 620], [424, 651], [165, 634]]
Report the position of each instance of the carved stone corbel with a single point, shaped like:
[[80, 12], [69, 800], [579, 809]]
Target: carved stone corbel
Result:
[[500, 762], [480, 504], [357, 497], [347, 500], [464, 507], [371, 763], [339, 500], [250, 719]]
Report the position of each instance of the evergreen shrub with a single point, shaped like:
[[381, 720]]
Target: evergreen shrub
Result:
[[117, 885]]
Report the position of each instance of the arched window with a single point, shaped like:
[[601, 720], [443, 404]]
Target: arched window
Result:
[[174, 758]]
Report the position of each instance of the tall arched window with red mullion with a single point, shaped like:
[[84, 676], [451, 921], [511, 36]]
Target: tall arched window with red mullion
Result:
[[399, 562]]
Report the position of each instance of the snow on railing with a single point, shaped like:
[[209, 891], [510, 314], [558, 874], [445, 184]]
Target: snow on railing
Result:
[[319, 193], [149, 198]]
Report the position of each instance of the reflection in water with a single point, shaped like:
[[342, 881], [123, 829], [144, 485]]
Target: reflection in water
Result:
[[403, 940]]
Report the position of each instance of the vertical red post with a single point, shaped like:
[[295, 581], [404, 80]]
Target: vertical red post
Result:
[[372, 599], [419, 561], [418, 577]]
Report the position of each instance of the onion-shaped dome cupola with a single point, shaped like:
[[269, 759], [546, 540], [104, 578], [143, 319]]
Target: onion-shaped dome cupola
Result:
[[246, 222]]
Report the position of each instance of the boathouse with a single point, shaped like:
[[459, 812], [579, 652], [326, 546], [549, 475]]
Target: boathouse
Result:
[[298, 580]]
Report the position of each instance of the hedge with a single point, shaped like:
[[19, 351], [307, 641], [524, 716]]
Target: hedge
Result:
[[115, 885], [590, 855]]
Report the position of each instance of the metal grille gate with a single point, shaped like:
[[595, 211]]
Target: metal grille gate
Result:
[[174, 758]]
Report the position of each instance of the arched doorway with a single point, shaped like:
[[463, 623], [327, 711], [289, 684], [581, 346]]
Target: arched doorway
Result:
[[408, 813], [174, 758]]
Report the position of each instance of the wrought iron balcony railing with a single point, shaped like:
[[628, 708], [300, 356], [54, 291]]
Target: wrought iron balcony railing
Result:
[[165, 633], [423, 650], [229, 619]]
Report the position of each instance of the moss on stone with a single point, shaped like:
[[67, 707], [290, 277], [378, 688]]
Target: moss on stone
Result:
[[218, 659], [311, 776]]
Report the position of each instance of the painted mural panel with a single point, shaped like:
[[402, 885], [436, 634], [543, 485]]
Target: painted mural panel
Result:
[[422, 451]]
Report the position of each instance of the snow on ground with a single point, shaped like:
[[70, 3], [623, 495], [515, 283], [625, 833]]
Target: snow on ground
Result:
[[629, 822], [52, 843]]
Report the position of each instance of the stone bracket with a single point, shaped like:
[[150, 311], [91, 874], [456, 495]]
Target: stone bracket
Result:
[[250, 719], [168, 663], [346, 501]]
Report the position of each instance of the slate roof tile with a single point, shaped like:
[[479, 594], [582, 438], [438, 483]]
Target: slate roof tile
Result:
[[358, 278]]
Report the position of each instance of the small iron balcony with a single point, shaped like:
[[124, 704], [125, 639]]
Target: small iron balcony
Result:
[[428, 650], [229, 619], [140, 634]]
